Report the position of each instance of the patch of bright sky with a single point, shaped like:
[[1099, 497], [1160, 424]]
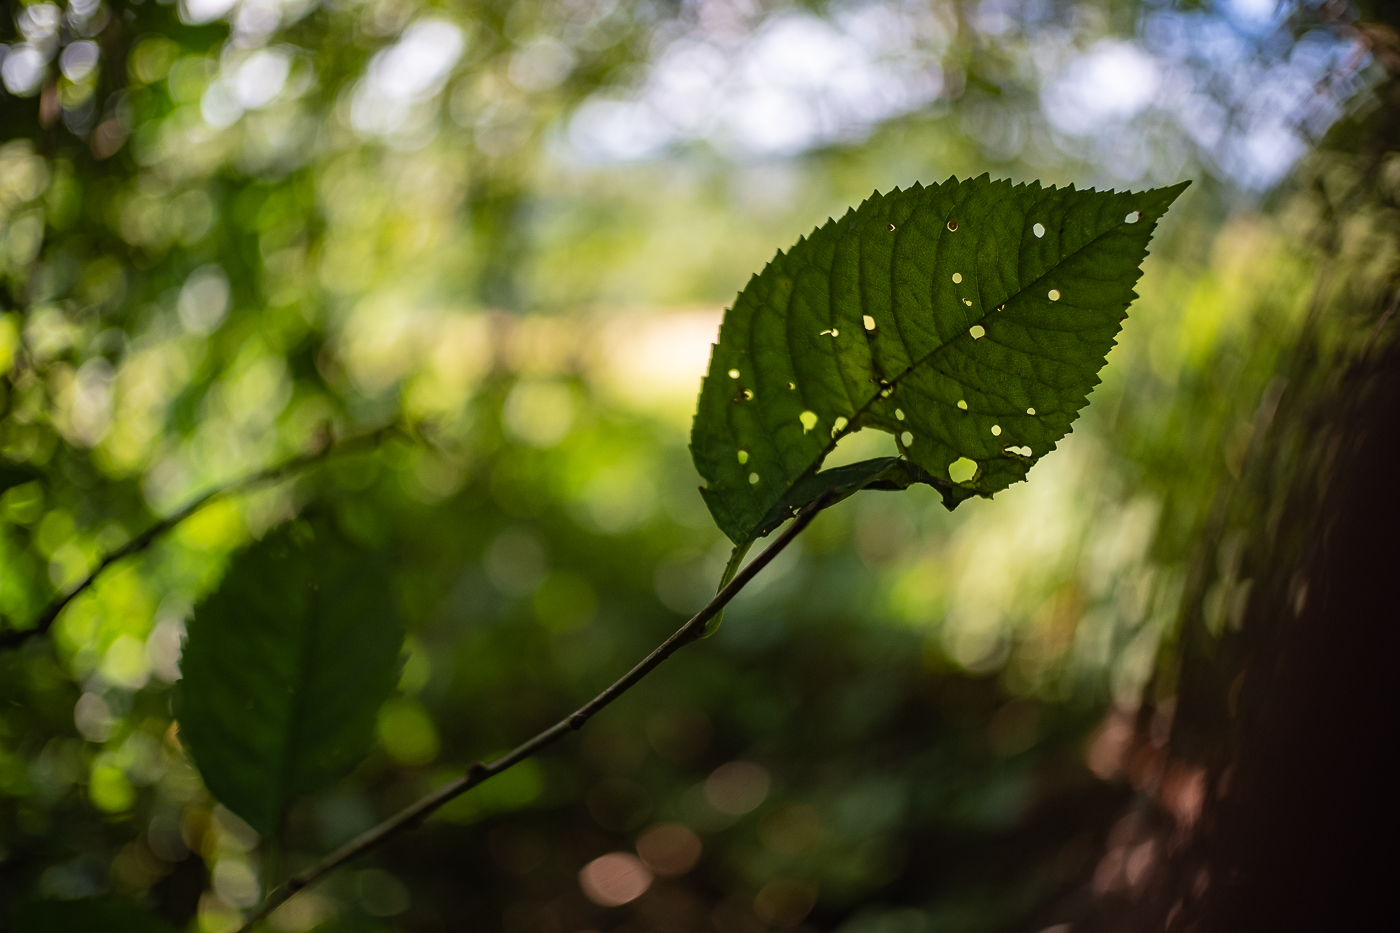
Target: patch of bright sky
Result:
[[795, 81], [204, 11], [1248, 108], [759, 87], [253, 21], [411, 71], [247, 82], [1254, 16], [1250, 105], [1113, 80]]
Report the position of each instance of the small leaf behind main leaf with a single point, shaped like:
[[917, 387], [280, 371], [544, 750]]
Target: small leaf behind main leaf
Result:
[[285, 668], [880, 473], [968, 319]]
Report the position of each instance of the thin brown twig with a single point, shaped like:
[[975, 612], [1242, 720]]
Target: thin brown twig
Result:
[[479, 772], [14, 637]]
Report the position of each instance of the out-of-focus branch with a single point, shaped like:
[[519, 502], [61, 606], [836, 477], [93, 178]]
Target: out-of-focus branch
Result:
[[328, 448], [1380, 326], [479, 772]]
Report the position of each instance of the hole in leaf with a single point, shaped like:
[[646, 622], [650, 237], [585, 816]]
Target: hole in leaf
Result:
[[743, 456], [869, 322], [906, 438], [962, 403], [1030, 411], [962, 469], [957, 278], [952, 225], [753, 479], [734, 374], [891, 227], [1019, 451], [968, 302], [1038, 230], [899, 413], [808, 419], [1133, 218], [839, 424], [856, 446], [830, 330], [1054, 294], [996, 430], [978, 331], [792, 385]]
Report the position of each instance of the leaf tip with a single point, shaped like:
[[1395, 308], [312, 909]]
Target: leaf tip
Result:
[[1172, 192]]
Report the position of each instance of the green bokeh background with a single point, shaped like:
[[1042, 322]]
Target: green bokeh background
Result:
[[935, 705]]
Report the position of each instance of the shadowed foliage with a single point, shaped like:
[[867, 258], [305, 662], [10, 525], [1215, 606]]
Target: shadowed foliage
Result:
[[285, 668]]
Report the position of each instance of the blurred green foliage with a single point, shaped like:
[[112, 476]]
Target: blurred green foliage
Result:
[[228, 230]]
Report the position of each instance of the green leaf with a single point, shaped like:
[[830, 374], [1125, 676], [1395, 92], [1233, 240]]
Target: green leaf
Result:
[[881, 473], [736, 561], [285, 669], [968, 319]]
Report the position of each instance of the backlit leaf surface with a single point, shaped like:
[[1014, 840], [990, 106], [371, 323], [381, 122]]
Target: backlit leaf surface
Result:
[[969, 319]]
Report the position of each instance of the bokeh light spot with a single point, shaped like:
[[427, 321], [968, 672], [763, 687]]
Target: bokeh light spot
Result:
[[669, 850], [614, 879], [737, 788]]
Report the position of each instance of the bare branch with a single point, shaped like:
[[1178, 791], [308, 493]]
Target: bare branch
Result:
[[14, 637], [479, 772]]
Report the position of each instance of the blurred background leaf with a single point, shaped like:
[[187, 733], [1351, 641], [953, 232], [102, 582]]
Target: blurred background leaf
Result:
[[285, 668]]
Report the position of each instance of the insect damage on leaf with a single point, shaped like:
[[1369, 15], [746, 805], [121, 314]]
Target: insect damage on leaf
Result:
[[969, 319], [285, 668]]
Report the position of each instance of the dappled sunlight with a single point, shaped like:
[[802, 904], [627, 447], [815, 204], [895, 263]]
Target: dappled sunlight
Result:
[[613, 880]]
